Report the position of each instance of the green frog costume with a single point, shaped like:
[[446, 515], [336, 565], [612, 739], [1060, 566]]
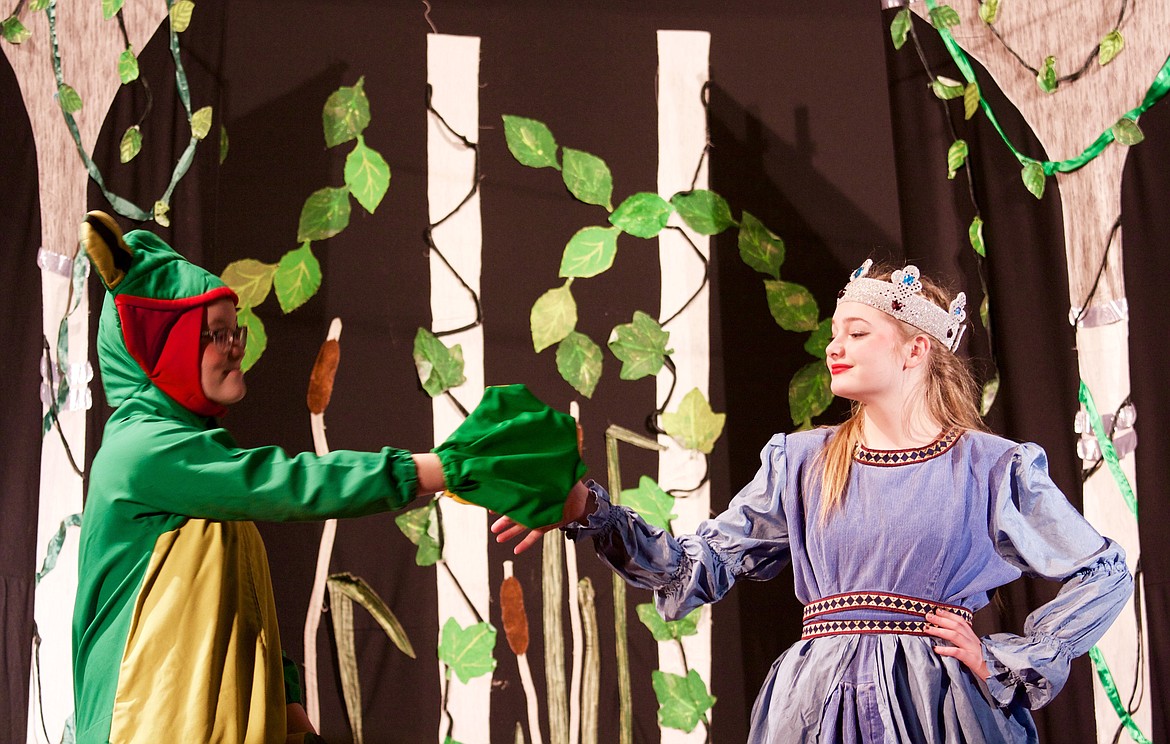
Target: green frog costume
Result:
[[174, 633]]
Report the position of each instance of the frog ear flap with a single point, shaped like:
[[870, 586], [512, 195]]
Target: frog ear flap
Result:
[[101, 239]]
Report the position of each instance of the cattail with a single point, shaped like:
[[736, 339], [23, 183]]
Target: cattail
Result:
[[515, 620], [321, 378]]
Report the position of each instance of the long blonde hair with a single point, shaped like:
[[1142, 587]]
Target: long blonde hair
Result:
[[950, 397]]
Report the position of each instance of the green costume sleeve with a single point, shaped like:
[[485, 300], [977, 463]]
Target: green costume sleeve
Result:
[[514, 455]]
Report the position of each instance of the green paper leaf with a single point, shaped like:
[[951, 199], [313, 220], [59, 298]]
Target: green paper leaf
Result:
[[110, 8], [223, 144], [944, 17], [989, 11], [946, 88], [14, 31], [655, 506], [985, 312], [38, 5], [759, 247], [971, 99], [579, 362], [589, 252], [674, 630], [791, 305], [127, 66], [130, 145], [325, 213], [201, 123], [250, 279], [161, 213], [587, 177], [987, 399], [819, 339], [467, 651], [298, 277], [809, 393], [1127, 132], [346, 114], [422, 528], [640, 345], [68, 98], [704, 211], [975, 235], [530, 142], [367, 175], [440, 367], [642, 215], [900, 27], [257, 337], [181, 12], [553, 316], [694, 425], [1111, 45], [956, 156], [1033, 175], [682, 701], [1046, 78]]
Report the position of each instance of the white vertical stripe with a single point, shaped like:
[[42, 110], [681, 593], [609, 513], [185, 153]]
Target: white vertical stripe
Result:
[[682, 134], [453, 74]]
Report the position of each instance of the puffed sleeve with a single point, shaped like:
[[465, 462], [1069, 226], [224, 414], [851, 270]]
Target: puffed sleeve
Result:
[[748, 540], [1036, 530]]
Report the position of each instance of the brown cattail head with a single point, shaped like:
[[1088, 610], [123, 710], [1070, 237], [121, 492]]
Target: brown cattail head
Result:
[[321, 379], [515, 621]]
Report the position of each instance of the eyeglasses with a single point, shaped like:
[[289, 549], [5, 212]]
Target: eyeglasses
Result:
[[225, 339]]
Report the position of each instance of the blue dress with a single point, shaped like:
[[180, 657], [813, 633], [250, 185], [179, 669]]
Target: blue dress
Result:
[[947, 523]]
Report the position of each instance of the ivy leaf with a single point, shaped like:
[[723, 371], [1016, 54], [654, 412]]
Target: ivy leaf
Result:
[[944, 17], [704, 211], [325, 213], [587, 177], [530, 142], [655, 506], [674, 630], [553, 316], [682, 701], [694, 425], [642, 215], [257, 337], [346, 114], [579, 362], [985, 312], [791, 305], [1033, 175], [130, 145], [809, 393], [971, 99], [956, 156], [421, 528], [467, 651], [819, 339], [1127, 132], [223, 144], [987, 399], [201, 123], [298, 277], [1046, 78], [439, 368], [589, 252], [946, 88], [1111, 45], [68, 98], [900, 27], [975, 234], [127, 66], [250, 279], [181, 12], [367, 175], [110, 8], [989, 11], [14, 31], [161, 213], [641, 345], [759, 247]]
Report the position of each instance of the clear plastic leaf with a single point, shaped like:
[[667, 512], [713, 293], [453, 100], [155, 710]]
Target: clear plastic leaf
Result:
[[956, 156], [819, 339], [1111, 45], [68, 98], [553, 316], [1046, 78], [589, 252], [298, 277], [346, 113], [759, 247], [440, 368], [587, 177], [421, 527], [127, 66], [367, 175], [704, 211], [900, 27], [655, 505], [1127, 132], [201, 123], [989, 11], [642, 215], [38, 5], [975, 235], [809, 392], [971, 99], [945, 88], [530, 142], [180, 14], [640, 345], [987, 398], [943, 17], [682, 701], [257, 337], [694, 425], [161, 213], [579, 362], [1033, 175], [325, 213], [250, 279], [792, 305], [14, 31], [467, 651], [223, 144], [110, 8], [130, 145], [668, 631]]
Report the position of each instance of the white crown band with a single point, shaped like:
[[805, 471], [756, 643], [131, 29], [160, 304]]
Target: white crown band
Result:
[[901, 298]]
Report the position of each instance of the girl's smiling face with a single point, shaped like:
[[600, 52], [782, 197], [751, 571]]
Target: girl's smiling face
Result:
[[867, 354]]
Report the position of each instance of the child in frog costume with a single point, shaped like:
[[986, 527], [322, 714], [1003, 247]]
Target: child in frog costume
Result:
[[174, 633]]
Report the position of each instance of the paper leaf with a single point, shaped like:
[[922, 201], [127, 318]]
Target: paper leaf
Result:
[[530, 142], [694, 425], [704, 211], [791, 305], [579, 362], [1111, 45], [440, 367], [1033, 175], [642, 215], [1127, 132], [421, 528], [589, 252], [759, 247], [655, 506], [944, 17], [956, 156], [662, 630], [223, 144], [1046, 78], [971, 99], [367, 175], [553, 316], [641, 345], [467, 651], [356, 589], [110, 8], [298, 277], [38, 5], [987, 398], [346, 114], [989, 11], [130, 145], [975, 235], [127, 66], [181, 12], [682, 701], [257, 337], [325, 213], [587, 177], [68, 98], [985, 312], [14, 31], [161, 213], [945, 88], [250, 279], [809, 393], [900, 27], [819, 340], [201, 123]]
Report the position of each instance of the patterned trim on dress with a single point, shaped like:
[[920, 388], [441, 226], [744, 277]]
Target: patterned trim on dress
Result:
[[838, 627], [891, 458], [879, 601]]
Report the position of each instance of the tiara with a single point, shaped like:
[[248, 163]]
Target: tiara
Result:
[[901, 297]]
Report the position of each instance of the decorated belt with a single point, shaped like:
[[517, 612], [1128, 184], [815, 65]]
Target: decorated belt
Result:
[[885, 601]]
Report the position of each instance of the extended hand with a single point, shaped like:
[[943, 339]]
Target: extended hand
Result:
[[965, 645], [577, 506]]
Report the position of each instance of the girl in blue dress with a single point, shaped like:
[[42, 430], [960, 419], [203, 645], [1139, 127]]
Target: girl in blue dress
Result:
[[899, 525]]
